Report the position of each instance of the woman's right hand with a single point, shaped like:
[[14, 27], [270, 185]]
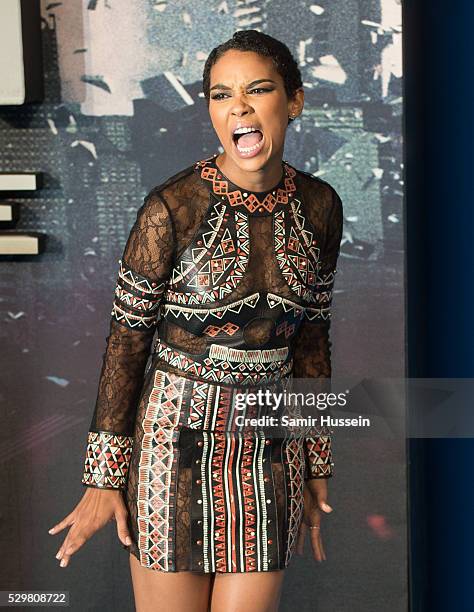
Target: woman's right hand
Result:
[[96, 508]]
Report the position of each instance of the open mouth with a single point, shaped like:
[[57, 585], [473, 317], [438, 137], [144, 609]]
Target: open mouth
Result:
[[248, 142]]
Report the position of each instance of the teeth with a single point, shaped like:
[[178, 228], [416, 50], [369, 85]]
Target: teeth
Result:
[[250, 149], [245, 130]]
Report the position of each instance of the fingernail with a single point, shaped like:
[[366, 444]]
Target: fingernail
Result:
[[128, 540], [51, 530], [58, 555], [63, 562]]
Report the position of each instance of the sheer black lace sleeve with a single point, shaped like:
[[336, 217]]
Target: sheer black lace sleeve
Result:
[[142, 277], [312, 357]]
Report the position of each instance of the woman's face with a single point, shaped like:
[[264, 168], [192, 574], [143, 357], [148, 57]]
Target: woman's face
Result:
[[246, 90]]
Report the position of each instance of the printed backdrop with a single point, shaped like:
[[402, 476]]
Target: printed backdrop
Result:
[[123, 111]]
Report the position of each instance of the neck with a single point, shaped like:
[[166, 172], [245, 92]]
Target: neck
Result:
[[258, 179]]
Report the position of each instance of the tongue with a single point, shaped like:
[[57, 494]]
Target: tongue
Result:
[[249, 140]]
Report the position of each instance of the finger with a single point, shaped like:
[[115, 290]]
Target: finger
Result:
[[315, 534], [62, 548], [325, 507], [301, 538], [322, 500], [69, 551], [122, 528], [74, 541], [316, 544], [64, 561], [323, 503], [69, 520], [69, 540], [323, 553], [74, 545], [320, 548]]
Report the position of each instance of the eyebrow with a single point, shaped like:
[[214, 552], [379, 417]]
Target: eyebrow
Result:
[[222, 86]]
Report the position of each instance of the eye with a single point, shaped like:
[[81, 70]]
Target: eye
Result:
[[216, 96], [260, 89]]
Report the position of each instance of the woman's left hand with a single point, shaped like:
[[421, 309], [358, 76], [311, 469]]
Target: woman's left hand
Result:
[[315, 501]]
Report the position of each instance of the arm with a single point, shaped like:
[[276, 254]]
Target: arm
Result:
[[142, 276], [312, 354]]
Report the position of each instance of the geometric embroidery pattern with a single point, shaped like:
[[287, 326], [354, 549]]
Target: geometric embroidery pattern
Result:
[[218, 313], [317, 314], [251, 301], [229, 366], [248, 495], [285, 328], [226, 190], [107, 460], [324, 287], [201, 402], [236, 546], [158, 463], [295, 467], [322, 296], [137, 299], [319, 454], [214, 264], [214, 330], [296, 251], [275, 300], [234, 526]]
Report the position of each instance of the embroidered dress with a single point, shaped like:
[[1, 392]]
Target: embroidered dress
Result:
[[219, 289]]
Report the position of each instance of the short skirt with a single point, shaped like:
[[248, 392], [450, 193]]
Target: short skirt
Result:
[[203, 495]]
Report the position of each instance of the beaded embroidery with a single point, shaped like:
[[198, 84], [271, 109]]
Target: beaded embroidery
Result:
[[224, 188], [107, 459]]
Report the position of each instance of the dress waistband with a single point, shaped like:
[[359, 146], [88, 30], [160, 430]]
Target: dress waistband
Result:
[[228, 365]]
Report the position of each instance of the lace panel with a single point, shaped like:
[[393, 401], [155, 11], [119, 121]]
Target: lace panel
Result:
[[143, 273]]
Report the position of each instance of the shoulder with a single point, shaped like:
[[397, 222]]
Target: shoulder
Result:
[[182, 178], [321, 187], [185, 185], [183, 198], [319, 195], [180, 192]]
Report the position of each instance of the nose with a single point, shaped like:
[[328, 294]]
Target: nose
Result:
[[240, 113], [240, 106]]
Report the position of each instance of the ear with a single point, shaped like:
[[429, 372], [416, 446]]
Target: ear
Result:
[[296, 104]]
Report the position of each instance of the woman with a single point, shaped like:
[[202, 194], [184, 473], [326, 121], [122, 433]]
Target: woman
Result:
[[237, 253]]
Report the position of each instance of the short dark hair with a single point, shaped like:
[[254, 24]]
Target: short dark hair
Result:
[[263, 44]]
